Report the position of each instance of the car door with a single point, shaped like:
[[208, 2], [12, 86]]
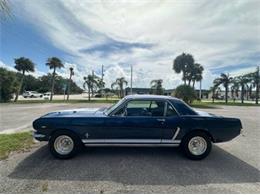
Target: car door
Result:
[[142, 122], [172, 126]]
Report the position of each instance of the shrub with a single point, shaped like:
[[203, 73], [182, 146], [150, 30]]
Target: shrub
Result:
[[8, 85], [186, 93]]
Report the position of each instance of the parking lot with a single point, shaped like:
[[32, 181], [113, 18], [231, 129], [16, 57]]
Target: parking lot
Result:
[[16, 117], [232, 167]]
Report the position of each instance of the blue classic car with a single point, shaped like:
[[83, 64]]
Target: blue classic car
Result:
[[136, 120]]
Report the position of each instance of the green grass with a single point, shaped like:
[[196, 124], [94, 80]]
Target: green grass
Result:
[[197, 104], [202, 104], [234, 104], [14, 142]]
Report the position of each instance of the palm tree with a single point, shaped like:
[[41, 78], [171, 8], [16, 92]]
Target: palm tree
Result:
[[22, 65], [225, 80], [234, 89], [87, 81], [156, 85], [213, 89], [91, 82], [100, 85], [184, 63], [120, 84], [250, 89], [242, 81], [255, 79], [5, 9], [69, 82], [53, 63], [197, 73]]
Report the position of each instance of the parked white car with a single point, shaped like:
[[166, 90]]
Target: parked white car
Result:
[[32, 94], [47, 95]]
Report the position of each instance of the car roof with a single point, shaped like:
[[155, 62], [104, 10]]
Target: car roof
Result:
[[141, 96]]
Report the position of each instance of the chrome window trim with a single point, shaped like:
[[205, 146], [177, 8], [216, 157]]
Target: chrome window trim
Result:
[[136, 99], [150, 99], [169, 102]]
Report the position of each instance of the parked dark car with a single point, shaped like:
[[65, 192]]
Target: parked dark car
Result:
[[136, 120]]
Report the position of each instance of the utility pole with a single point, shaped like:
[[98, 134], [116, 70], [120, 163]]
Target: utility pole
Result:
[[92, 87], [102, 76], [131, 83], [200, 89]]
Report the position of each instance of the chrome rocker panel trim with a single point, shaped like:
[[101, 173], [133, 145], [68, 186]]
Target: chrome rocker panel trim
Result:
[[130, 142]]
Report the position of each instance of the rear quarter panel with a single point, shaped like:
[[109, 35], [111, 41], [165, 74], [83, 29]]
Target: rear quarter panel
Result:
[[220, 128]]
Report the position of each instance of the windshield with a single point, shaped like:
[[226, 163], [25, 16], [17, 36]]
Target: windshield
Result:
[[113, 107]]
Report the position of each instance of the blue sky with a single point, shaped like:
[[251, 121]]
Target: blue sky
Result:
[[221, 35]]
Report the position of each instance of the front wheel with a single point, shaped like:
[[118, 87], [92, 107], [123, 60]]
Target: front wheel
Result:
[[196, 145], [64, 144]]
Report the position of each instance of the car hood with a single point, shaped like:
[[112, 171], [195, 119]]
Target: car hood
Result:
[[83, 112]]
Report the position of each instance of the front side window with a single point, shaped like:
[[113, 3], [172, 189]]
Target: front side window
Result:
[[170, 111], [145, 108]]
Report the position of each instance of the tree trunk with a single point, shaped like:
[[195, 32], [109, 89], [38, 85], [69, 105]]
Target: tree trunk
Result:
[[89, 93], [213, 96], [19, 88], [257, 93], [226, 95], [52, 83], [92, 91], [250, 92], [193, 84], [189, 82], [242, 94], [68, 92], [257, 85]]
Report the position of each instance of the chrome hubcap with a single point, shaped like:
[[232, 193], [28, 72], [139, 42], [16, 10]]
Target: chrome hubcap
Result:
[[197, 145], [63, 144]]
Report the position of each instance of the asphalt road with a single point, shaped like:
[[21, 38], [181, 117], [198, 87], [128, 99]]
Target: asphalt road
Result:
[[232, 167]]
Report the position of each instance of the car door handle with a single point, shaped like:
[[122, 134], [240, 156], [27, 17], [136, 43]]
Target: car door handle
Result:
[[161, 119]]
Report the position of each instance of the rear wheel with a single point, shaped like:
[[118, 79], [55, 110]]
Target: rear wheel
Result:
[[64, 144], [196, 145]]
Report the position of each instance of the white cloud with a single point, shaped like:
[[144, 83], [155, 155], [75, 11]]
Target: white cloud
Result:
[[218, 33]]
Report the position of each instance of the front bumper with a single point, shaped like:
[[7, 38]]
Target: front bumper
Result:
[[40, 137]]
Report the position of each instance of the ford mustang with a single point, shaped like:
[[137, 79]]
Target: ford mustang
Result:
[[136, 120]]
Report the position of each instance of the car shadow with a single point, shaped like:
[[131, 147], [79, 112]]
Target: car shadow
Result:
[[137, 166]]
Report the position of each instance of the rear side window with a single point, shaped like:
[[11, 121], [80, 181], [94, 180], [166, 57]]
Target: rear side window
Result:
[[182, 108]]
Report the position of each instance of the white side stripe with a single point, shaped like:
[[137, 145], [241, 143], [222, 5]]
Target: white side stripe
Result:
[[176, 133]]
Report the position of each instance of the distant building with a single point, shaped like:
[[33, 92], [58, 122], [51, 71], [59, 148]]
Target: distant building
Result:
[[146, 91], [137, 91], [235, 95]]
